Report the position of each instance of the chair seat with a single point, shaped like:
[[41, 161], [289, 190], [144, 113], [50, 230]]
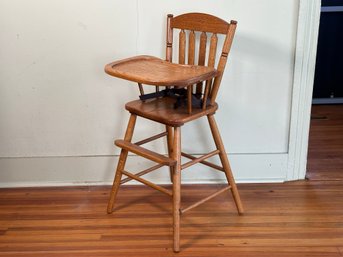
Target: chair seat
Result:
[[162, 110]]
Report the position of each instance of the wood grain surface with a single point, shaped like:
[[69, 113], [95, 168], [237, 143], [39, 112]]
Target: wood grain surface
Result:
[[200, 22], [162, 110], [291, 219], [139, 69], [325, 154], [146, 153]]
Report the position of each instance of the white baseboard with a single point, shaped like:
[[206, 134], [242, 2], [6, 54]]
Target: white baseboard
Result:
[[99, 170]]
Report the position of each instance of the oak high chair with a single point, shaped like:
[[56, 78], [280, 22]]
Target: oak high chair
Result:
[[190, 93]]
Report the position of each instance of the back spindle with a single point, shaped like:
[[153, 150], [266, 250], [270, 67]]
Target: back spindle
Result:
[[201, 61], [169, 48], [191, 49], [182, 46], [211, 62], [213, 50]]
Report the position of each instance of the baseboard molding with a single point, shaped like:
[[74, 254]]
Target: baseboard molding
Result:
[[98, 170]]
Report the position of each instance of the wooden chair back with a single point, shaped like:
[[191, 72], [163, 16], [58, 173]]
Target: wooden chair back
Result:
[[204, 24]]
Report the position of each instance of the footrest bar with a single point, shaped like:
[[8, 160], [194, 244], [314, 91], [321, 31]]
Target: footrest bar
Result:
[[182, 211], [143, 172], [153, 156], [148, 183], [209, 164]]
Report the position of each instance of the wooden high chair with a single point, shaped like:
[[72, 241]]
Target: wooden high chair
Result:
[[190, 93]]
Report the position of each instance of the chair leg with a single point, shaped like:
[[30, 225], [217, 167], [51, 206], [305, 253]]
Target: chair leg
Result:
[[225, 162], [121, 163], [170, 148], [176, 187]]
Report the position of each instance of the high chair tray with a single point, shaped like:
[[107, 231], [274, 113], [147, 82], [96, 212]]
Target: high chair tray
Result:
[[154, 71]]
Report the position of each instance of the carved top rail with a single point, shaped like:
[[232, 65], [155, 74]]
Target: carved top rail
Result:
[[200, 22]]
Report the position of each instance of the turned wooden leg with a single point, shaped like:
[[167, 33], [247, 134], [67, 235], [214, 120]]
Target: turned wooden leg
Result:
[[121, 163], [225, 162], [176, 187], [170, 148]]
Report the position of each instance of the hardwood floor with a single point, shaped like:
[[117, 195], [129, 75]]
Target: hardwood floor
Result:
[[291, 219], [325, 155]]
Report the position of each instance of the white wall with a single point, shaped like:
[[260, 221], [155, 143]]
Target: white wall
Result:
[[59, 112]]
